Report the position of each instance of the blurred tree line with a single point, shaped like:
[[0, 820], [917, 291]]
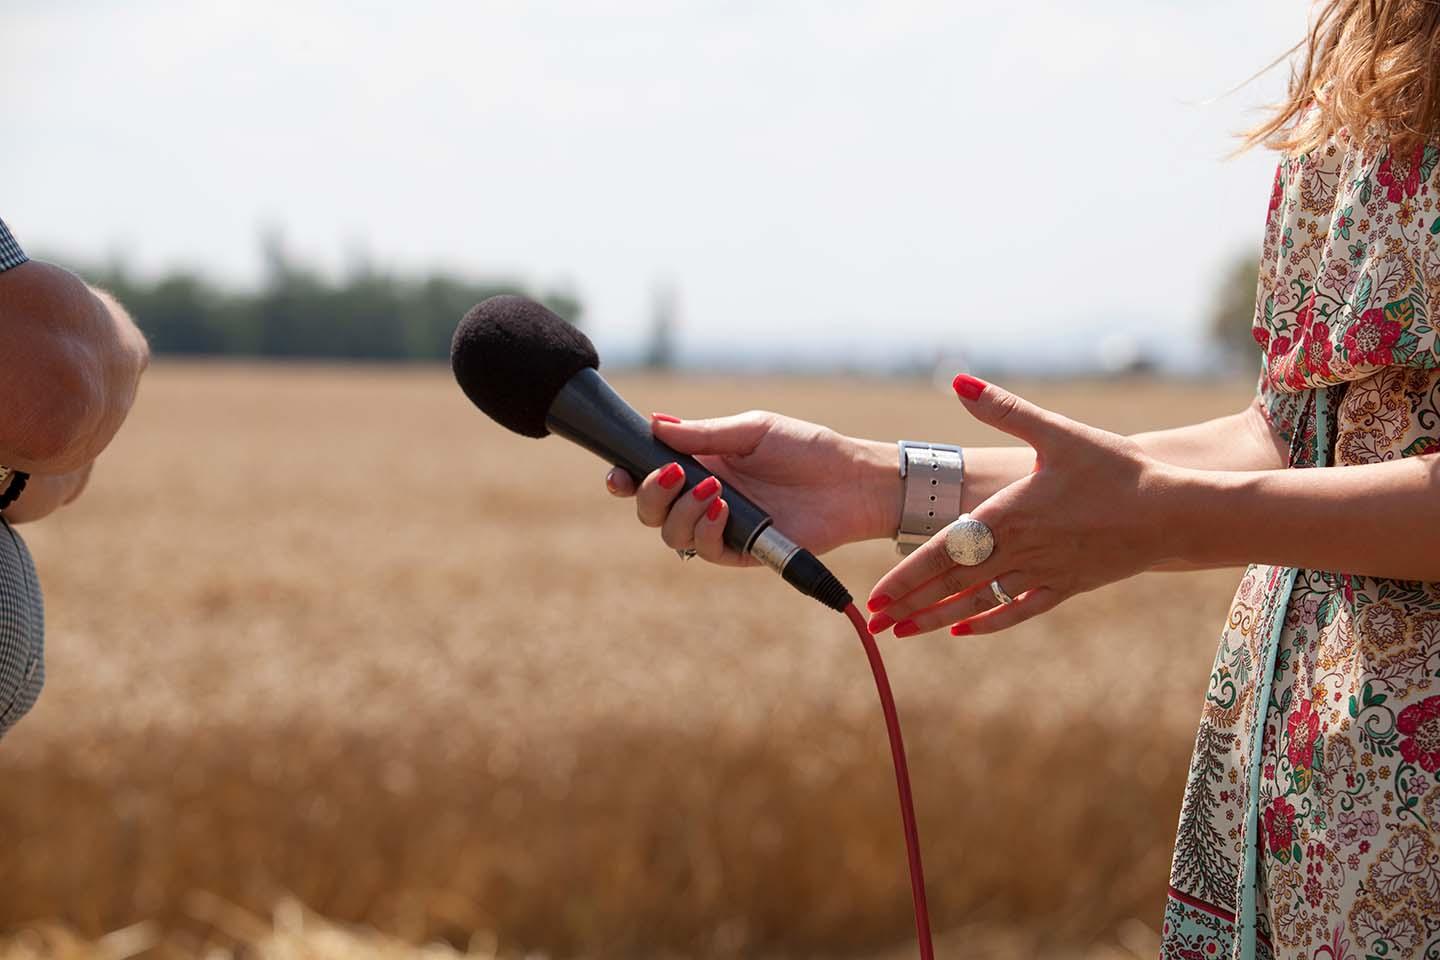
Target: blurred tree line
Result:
[[370, 314]]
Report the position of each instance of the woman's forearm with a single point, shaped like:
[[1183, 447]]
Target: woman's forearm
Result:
[[1241, 441], [1379, 520], [1229, 501]]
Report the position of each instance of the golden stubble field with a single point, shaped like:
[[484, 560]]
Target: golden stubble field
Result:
[[325, 643]]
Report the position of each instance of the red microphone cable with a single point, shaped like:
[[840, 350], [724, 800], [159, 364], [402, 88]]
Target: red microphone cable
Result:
[[902, 782]]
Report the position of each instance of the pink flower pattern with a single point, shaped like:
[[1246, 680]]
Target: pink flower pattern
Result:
[[1419, 726], [1347, 807]]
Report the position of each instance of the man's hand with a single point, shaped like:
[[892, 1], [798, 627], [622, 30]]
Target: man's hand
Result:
[[70, 362], [47, 492], [823, 489]]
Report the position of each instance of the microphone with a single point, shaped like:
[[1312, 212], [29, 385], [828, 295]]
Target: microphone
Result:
[[533, 373]]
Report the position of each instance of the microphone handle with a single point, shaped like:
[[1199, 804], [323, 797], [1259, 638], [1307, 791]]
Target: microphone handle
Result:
[[589, 412]]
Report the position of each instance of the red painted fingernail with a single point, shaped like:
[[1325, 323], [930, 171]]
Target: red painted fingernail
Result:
[[712, 512], [906, 628], [967, 386], [961, 629], [610, 481], [705, 488], [664, 418], [671, 475], [877, 603], [880, 622]]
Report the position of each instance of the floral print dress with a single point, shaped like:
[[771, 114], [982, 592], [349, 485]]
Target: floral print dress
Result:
[[1311, 820]]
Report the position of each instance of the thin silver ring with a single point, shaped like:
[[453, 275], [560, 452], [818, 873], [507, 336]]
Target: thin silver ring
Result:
[[1000, 593], [685, 554]]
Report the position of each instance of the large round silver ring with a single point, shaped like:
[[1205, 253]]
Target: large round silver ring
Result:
[[1000, 593], [968, 541]]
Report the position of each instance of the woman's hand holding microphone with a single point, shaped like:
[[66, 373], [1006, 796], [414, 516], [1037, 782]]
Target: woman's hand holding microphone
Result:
[[820, 487], [1090, 512]]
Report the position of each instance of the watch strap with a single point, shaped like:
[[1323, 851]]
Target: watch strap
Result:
[[932, 478], [11, 485]]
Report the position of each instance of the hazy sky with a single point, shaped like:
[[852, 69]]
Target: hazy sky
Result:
[[893, 173]]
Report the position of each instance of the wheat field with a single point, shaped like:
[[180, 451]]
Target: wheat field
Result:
[[338, 668]]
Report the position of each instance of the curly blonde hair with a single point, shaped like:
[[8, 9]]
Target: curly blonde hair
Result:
[[1370, 69]]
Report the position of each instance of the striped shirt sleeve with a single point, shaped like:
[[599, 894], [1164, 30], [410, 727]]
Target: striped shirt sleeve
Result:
[[10, 253], [10, 256], [22, 612]]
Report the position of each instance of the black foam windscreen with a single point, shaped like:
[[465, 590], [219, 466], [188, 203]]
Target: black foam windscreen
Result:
[[512, 356]]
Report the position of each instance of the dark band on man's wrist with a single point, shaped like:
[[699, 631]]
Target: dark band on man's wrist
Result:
[[14, 488]]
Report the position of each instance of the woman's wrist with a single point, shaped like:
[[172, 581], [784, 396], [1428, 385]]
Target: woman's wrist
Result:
[[878, 471], [1188, 520], [987, 470]]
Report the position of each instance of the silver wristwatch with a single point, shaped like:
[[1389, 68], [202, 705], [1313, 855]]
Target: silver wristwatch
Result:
[[931, 478]]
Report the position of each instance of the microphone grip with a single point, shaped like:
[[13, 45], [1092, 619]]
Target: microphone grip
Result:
[[587, 411]]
